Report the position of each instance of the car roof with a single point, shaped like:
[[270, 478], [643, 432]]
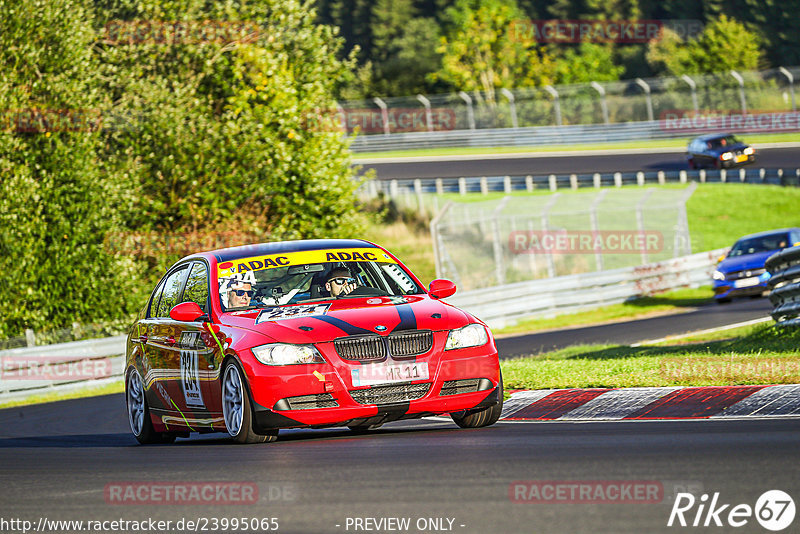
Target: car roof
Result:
[[711, 137], [280, 247], [769, 232]]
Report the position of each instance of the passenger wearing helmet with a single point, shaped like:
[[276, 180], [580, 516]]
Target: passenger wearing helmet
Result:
[[235, 293]]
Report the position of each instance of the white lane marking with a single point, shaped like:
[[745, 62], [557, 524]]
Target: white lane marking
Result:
[[618, 403], [701, 332]]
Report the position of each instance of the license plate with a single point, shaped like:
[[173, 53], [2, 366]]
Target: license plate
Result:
[[741, 157], [384, 373], [746, 282]]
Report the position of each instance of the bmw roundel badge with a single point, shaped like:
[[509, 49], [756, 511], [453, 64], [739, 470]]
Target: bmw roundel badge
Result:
[[380, 328]]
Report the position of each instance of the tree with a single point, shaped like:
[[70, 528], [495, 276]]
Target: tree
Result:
[[59, 201], [586, 63], [404, 48], [486, 48], [724, 45], [232, 132]]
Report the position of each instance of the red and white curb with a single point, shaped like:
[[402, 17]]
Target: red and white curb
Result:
[[653, 403]]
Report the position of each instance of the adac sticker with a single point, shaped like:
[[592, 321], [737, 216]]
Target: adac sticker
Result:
[[292, 312], [303, 257]]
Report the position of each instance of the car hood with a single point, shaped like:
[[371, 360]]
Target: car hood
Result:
[[342, 317], [748, 261]]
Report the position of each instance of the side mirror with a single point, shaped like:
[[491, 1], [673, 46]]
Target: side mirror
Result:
[[440, 289], [186, 311]]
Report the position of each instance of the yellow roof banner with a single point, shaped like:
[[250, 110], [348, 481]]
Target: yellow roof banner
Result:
[[303, 257]]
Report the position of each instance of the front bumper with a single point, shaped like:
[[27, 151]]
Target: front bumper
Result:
[[326, 396], [726, 290]]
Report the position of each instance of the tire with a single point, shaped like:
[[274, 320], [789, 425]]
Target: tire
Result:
[[487, 416], [139, 413], [236, 408]]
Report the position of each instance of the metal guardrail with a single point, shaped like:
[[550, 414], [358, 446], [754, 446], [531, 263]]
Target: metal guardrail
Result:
[[61, 366], [505, 305], [554, 182], [784, 285]]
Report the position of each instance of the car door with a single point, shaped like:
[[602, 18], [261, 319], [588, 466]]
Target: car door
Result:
[[196, 346], [162, 344]]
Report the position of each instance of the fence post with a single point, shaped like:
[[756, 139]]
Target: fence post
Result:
[[640, 178], [484, 186], [682, 176], [552, 180], [596, 180], [506, 184], [661, 178], [462, 186], [470, 114], [573, 181], [529, 183], [384, 114], [439, 186], [617, 179], [598, 254], [603, 104], [556, 103], [739, 79], [418, 191], [551, 264], [640, 222], [641, 83], [512, 105], [693, 87], [789, 76], [428, 115], [30, 337]]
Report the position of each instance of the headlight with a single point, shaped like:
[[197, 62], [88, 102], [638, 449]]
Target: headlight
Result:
[[726, 156], [718, 275], [285, 354], [749, 151], [472, 335]]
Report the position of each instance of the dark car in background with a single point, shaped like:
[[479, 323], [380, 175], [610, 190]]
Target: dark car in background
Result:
[[742, 272], [719, 151]]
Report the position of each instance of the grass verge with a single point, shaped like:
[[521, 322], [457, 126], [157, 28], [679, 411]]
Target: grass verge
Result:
[[671, 301], [116, 387], [656, 143], [761, 355]]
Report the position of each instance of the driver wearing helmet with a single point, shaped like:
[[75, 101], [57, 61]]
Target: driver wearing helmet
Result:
[[235, 293]]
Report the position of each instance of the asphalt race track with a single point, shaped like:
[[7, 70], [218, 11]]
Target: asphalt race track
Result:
[[57, 460], [702, 318], [514, 165]]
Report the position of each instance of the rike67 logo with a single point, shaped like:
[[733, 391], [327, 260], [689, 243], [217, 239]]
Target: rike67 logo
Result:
[[774, 510]]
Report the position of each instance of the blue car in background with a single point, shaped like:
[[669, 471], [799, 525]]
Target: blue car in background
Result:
[[719, 151], [742, 273]]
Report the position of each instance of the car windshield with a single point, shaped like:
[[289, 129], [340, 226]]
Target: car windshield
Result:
[[307, 276], [728, 140], [759, 244]]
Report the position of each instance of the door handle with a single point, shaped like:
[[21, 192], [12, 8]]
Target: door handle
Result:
[[170, 340]]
